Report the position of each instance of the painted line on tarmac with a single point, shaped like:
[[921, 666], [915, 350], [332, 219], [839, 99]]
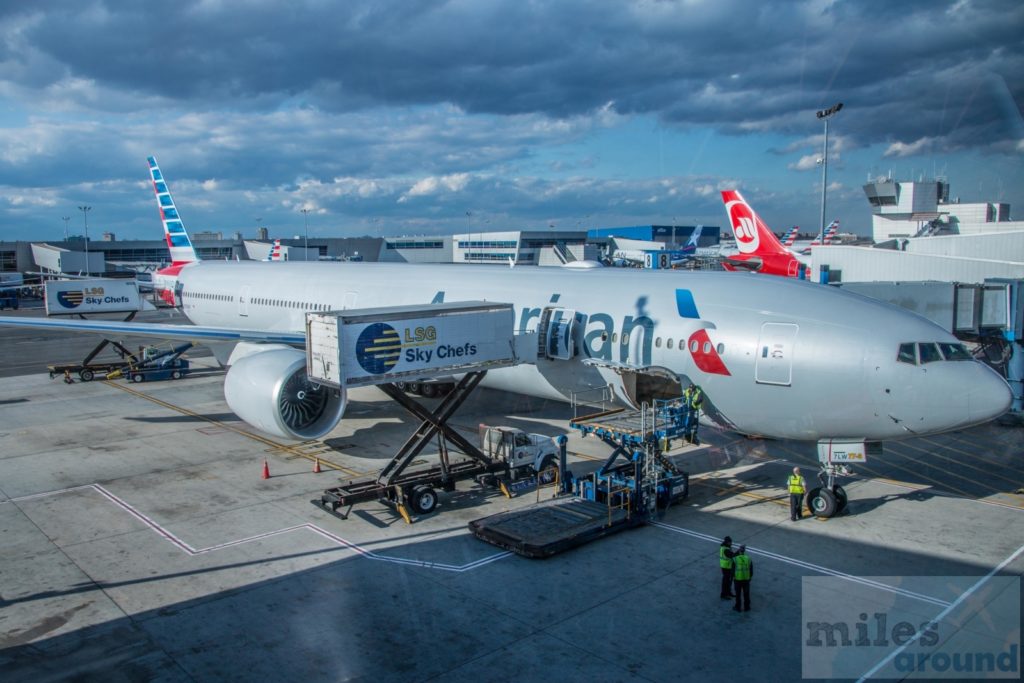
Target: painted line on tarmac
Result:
[[274, 445], [943, 614], [192, 552], [813, 567]]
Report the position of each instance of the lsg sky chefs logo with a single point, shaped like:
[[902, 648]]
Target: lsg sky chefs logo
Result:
[[911, 628]]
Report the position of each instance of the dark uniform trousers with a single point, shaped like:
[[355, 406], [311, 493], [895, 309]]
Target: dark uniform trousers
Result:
[[727, 582], [742, 595]]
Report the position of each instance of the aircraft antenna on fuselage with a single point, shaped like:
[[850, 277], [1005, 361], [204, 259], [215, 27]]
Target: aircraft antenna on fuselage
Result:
[[178, 241]]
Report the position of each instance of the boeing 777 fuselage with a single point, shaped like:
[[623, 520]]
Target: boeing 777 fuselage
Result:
[[776, 357]]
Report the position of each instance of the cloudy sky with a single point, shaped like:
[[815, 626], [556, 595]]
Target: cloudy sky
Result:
[[425, 116]]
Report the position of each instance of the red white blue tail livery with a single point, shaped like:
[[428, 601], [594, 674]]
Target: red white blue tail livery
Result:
[[178, 243]]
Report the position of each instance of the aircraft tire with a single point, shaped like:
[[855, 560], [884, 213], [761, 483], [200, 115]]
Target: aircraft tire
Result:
[[841, 498], [822, 502], [86, 375], [424, 500]]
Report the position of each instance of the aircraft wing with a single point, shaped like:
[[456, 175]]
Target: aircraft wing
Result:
[[193, 333]]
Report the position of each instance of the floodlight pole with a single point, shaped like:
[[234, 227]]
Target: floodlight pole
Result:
[[305, 223], [825, 114], [85, 217]]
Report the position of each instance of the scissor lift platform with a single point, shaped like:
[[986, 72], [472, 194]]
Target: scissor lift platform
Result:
[[552, 526]]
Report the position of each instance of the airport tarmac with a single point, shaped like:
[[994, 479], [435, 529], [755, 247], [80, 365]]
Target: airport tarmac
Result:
[[141, 543]]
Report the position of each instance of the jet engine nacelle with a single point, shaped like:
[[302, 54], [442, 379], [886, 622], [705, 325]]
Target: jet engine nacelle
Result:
[[267, 386]]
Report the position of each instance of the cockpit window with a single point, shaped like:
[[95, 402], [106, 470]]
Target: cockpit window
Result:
[[954, 351], [928, 352], [908, 354]]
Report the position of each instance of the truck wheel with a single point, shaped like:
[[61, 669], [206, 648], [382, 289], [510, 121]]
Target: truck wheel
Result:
[[841, 498], [821, 502], [136, 377], [413, 388], [175, 374], [428, 389], [424, 500], [85, 375], [548, 472]]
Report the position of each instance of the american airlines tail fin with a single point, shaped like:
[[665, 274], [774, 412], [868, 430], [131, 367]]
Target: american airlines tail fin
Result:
[[830, 234], [275, 251], [752, 235], [789, 238], [178, 242]]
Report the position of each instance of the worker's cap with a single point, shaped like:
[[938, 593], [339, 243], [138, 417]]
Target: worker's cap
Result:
[[727, 540], [742, 549]]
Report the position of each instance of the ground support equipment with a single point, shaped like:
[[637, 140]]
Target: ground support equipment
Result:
[[626, 491], [87, 370], [415, 491]]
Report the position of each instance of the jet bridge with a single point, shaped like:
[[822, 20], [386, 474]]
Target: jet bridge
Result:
[[384, 346]]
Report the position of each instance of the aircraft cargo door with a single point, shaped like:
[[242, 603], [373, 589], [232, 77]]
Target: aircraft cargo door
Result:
[[775, 354]]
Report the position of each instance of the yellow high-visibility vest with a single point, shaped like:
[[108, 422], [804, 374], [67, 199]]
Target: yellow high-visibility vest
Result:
[[796, 484], [724, 561], [742, 568]]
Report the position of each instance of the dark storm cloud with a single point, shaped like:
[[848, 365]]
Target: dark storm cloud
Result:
[[910, 70]]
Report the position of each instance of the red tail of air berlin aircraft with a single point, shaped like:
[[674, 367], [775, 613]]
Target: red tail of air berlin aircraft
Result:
[[759, 249]]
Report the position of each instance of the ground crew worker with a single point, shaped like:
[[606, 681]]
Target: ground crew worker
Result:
[[744, 572], [797, 488], [693, 404], [725, 555]]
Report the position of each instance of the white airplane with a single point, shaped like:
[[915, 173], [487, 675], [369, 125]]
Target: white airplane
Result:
[[776, 357], [634, 252]]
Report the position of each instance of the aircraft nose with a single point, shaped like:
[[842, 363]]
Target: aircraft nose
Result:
[[988, 397]]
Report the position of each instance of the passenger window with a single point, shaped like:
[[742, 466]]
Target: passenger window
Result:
[[693, 346], [614, 336], [928, 352], [604, 336], [657, 342], [668, 343], [721, 349], [625, 338], [707, 347], [954, 351], [907, 354]]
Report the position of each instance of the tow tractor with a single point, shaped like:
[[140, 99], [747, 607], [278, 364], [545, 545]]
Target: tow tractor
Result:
[[627, 491], [527, 455]]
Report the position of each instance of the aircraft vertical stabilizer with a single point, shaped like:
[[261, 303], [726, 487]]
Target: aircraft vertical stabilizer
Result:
[[178, 242]]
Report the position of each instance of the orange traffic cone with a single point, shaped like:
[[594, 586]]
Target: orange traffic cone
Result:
[[316, 466], [266, 470]]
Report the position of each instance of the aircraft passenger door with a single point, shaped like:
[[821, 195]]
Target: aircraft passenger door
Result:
[[774, 363], [557, 333], [243, 302]]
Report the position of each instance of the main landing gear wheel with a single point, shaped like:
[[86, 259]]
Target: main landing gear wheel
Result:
[[822, 503], [424, 500]]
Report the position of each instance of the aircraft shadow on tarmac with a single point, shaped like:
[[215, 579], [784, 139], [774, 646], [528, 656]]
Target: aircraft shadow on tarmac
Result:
[[346, 615]]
